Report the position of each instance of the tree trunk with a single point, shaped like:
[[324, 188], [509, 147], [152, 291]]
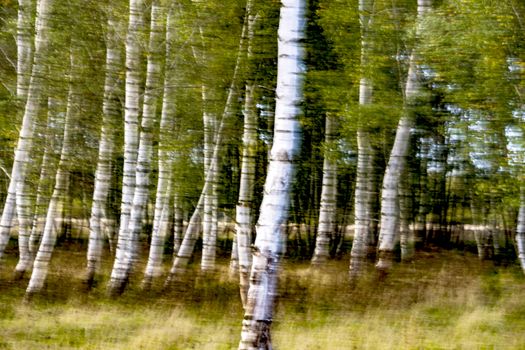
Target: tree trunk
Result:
[[103, 174], [163, 208], [56, 204], [24, 75], [131, 141], [520, 230], [269, 244], [328, 211], [397, 161], [244, 218], [363, 204]]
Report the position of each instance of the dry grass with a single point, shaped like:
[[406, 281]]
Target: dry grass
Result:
[[444, 300]]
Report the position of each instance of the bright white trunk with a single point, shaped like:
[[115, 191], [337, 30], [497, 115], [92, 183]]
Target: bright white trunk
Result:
[[269, 244], [178, 223], [131, 140], [397, 162], [149, 120], [244, 218], [363, 199], [163, 208], [363, 203], [47, 244], [103, 175], [406, 235], [47, 171], [327, 213], [24, 61], [209, 225], [520, 230]]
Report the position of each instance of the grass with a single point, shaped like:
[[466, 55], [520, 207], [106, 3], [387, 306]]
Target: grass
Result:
[[444, 300]]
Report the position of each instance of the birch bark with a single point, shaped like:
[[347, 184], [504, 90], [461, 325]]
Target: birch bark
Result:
[[520, 230], [47, 171], [45, 250], [244, 218], [327, 213], [364, 177], [103, 175], [396, 163], [24, 44], [269, 244], [163, 208], [145, 148], [131, 139]]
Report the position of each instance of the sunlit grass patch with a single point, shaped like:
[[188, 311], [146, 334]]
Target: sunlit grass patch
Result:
[[439, 301]]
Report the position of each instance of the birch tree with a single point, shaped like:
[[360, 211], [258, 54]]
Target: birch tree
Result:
[[145, 150], [269, 244], [397, 161], [111, 114], [57, 201], [520, 230], [25, 44], [328, 210], [131, 140], [163, 208]]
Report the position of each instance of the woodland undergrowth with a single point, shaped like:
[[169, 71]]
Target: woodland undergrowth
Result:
[[441, 300]]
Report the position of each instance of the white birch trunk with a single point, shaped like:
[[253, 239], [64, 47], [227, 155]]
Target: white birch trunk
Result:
[[363, 203], [396, 163], [103, 174], [145, 149], [520, 230], [178, 222], [209, 226], [55, 208], [24, 61], [244, 218], [406, 235], [269, 244], [47, 171], [364, 178], [163, 208], [328, 210], [131, 140]]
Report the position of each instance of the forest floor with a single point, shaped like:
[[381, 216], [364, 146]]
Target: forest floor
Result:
[[443, 300]]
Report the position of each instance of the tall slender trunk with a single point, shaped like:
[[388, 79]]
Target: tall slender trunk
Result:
[[24, 43], [520, 230], [244, 217], [103, 175], [364, 177], [131, 140], [328, 211], [211, 160], [363, 204], [406, 235], [145, 148], [163, 208], [269, 244], [397, 161], [56, 204], [47, 171]]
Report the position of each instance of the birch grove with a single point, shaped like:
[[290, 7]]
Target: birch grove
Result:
[[188, 153]]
